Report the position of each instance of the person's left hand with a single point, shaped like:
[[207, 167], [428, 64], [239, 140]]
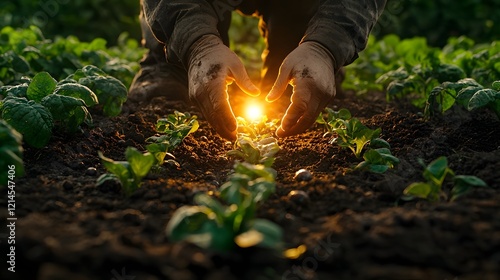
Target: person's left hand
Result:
[[310, 70]]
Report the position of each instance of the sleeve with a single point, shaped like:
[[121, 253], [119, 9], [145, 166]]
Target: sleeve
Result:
[[179, 23], [343, 26]]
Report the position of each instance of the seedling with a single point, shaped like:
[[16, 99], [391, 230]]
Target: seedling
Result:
[[215, 226], [174, 128], [255, 144], [435, 175], [378, 160], [350, 132], [129, 172]]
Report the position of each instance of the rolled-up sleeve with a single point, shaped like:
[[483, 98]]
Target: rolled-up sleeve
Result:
[[179, 23], [343, 26]]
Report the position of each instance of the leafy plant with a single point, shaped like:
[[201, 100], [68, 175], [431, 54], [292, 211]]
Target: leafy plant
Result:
[[11, 151], [130, 172], [350, 132], [214, 225], [255, 143], [33, 108], [110, 92], [378, 160], [466, 92], [174, 128], [435, 175], [26, 52]]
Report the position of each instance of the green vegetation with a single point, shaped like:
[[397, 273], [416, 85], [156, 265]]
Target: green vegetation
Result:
[[25, 52], [435, 175], [11, 152], [412, 69], [222, 225], [173, 130], [34, 107], [137, 165], [350, 133], [129, 172]]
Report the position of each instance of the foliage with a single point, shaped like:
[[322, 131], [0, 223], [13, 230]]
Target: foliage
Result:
[[25, 52], [412, 69], [11, 151], [86, 19], [440, 19], [435, 175], [255, 143], [218, 226], [466, 92], [36, 106], [129, 172], [174, 128], [350, 133], [222, 225]]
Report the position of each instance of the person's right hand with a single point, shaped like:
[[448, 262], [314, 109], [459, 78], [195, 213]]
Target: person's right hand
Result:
[[212, 67]]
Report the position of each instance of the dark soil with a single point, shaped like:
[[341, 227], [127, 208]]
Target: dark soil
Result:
[[353, 223]]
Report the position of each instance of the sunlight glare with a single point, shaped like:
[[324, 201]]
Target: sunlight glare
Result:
[[254, 112]]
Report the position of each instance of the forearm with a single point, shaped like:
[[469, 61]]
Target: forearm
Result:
[[343, 26], [179, 23]]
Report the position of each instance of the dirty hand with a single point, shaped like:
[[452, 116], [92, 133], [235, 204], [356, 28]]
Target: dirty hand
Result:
[[212, 67], [310, 70]]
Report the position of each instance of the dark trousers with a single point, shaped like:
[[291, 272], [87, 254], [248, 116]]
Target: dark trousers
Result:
[[282, 24]]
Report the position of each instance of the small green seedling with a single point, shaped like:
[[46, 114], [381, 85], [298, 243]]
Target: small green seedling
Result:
[[255, 143], [435, 174], [129, 172], [378, 160], [11, 152], [174, 128], [220, 227], [350, 132]]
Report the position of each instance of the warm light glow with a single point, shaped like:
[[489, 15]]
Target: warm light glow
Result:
[[253, 112]]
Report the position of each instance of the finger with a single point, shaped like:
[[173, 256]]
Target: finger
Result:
[[240, 76], [280, 85], [302, 113], [214, 104]]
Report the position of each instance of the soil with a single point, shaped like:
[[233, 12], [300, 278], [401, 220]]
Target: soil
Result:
[[352, 223]]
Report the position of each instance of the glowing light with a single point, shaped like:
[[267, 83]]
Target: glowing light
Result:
[[253, 112]]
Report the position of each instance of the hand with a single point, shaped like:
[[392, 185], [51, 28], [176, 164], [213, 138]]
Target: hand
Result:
[[310, 70], [212, 67]]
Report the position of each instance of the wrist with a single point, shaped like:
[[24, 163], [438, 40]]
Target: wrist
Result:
[[201, 47]]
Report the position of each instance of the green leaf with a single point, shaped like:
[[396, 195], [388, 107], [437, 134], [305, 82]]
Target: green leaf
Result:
[[420, 189], [496, 85], [465, 94], [42, 85], [140, 163], [272, 234], [437, 171], [17, 91], [483, 98], [472, 181], [11, 152], [61, 107], [186, 221], [379, 143], [77, 91], [110, 92], [31, 119]]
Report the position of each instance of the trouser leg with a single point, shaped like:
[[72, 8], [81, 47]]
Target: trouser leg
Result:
[[157, 77]]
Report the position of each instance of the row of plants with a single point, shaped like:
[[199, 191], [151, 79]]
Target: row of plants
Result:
[[48, 85], [349, 132], [432, 78], [228, 219], [130, 172], [25, 52]]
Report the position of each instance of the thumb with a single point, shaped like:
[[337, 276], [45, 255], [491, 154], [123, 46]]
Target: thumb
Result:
[[280, 85], [242, 80]]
